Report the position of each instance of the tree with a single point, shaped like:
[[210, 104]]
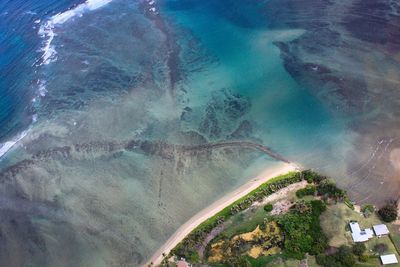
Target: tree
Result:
[[312, 177], [346, 257], [307, 191], [388, 213], [380, 248], [328, 188], [363, 258], [342, 258], [367, 210], [268, 207], [302, 230], [359, 249]]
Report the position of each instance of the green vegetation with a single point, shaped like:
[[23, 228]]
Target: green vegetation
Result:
[[343, 257], [188, 247], [395, 236], [265, 190], [334, 222], [380, 248], [388, 213], [311, 227], [312, 177], [348, 203], [268, 208], [302, 230], [367, 210], [328, 189], [359, 249], [308, 191], [266, 239], [245, 222]]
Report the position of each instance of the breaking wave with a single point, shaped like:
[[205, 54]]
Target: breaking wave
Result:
[[46, 30]]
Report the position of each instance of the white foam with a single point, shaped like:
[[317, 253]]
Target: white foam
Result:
[[34, 118], [46, 30], [5, 147], [29, 12], [42, 88]]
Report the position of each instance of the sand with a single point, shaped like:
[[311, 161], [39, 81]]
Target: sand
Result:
[[217, 206]]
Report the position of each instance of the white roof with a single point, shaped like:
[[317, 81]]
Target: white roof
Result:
[[355, 228], [363, 235], [389, 259], [381, 229]]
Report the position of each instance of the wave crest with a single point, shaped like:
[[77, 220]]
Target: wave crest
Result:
[[46, 30]]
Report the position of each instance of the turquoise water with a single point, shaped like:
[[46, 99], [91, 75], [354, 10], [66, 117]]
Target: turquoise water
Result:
[[285, 115], [127, 96]]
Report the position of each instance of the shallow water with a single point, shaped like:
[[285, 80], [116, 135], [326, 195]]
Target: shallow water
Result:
[[128, 100]]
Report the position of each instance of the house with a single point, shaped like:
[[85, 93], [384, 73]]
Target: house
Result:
[[388, 259], [380, 229], [359, 235], [355, 227]]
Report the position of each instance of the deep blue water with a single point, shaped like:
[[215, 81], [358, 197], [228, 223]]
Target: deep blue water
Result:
[[19, 56]]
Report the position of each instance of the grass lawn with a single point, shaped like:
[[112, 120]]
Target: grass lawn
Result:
[[263, 261], [373, 262], [334, 222], [279, 262], [395, 234], [384, 240], [245, 222], [335, 219]]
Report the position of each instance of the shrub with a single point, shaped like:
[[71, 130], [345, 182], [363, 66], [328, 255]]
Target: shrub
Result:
[[363, 258], [348, 204], [388, 213], [329, 189], [367, 210], [318, 206], [308, 191], [380, 248], [343, 258], [359, 249], [312, 177], [268, 207], [302, 230]]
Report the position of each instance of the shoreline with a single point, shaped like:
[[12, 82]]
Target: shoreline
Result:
[[216, 207]]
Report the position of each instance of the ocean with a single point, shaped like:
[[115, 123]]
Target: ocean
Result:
[[109, 110]]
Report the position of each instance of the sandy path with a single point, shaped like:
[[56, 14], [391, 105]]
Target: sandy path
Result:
[[217, 206], [282, 193]]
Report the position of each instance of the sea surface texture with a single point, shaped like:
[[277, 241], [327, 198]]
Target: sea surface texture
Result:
[[120, 119]]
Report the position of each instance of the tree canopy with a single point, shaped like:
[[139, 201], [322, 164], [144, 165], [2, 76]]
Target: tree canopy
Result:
[[388, 213]]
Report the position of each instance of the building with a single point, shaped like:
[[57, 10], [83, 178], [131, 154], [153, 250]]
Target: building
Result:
[[381, 229], [355, 227], [388, 259], [359, 235]]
